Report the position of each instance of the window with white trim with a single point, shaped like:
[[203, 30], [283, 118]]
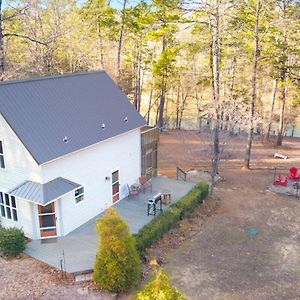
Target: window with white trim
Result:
[[2, 163], [79, 195], [8, 207]]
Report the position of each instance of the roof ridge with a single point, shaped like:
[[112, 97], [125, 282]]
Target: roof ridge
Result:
[[57, 76]]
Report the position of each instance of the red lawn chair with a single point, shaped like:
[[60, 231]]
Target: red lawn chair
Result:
[[293, 174], [145, 183], [280, 181]]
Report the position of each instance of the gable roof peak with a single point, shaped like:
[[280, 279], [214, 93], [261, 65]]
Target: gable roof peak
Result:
[[55, 116]]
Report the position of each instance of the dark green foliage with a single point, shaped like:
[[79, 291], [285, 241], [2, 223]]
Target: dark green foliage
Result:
[[168, 219], [117, 267], [159, 288], [154, 230], [12, 242]]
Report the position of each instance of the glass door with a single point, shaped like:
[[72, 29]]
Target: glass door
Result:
[[115, 186], [47, 220]]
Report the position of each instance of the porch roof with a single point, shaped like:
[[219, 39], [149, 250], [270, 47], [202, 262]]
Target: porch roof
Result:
[[43, 194]]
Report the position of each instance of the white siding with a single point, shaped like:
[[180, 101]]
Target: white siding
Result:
[[19, 166], [27, 219], [89, 167]]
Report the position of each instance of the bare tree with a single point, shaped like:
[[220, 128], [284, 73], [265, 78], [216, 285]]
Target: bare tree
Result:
[[256, 55], [4, 35], [121, 36], [272, 109], [283, 74], [215, 61]]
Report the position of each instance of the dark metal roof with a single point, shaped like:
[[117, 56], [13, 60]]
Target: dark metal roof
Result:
[[44, 193], [54, 116]]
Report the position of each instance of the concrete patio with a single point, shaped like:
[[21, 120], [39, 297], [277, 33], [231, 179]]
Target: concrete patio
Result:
[[80, 246]]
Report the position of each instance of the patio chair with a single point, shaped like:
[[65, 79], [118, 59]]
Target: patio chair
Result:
[[280, 181], [293, 174], [132, 192], [145, 183]]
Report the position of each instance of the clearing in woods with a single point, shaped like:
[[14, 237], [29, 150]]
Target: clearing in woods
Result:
[[222, 261]]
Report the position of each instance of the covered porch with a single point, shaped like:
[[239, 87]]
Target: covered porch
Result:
[[78, 248]]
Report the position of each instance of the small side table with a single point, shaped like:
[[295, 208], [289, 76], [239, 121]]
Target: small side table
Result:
[[166, 197]]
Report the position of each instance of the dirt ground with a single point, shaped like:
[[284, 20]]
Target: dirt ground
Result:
[[222, 261], [217, 259]]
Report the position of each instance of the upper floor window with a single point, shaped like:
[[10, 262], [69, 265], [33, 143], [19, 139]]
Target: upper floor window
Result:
[[8, 207], [2, 163], [79, 195]]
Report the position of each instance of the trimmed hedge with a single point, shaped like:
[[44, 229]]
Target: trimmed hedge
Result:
[[12, 242], [168, 219]]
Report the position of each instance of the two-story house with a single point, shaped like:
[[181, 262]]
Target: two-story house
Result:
[[69, 145]]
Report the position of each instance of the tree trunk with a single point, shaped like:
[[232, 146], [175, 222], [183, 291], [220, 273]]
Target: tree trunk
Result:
[[163, 93], [254, 79], [157, 115], [1, 46], [177, 107], [232, 98], [216, 93], [282, 113], [283, 73], [182, 108], [121, 37], [139, 81], [100, 41], [150, 105], [137, 77], [272, 109]]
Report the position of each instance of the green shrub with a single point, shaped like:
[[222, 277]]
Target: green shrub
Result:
[[205, 189], [168, 219], [12, 241], [159, 288], [154, 230], [117, 267]]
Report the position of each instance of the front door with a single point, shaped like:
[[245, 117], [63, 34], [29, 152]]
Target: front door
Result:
[[115, 186], [47, 220]]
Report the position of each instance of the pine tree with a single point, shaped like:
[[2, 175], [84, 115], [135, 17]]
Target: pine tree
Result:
[[117, 266], [159, 288]]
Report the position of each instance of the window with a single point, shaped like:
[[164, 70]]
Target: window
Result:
[[115, 186], [2, 163], [79, 197], [8, 207]]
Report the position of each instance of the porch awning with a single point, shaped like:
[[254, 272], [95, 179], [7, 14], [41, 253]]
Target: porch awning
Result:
[[43, 194]]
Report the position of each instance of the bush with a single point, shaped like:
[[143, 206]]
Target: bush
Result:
[[12, 241], [155, 229], [117, 267], [159, 288], [168, 219]]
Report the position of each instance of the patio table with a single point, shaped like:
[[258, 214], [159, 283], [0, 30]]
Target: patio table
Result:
[[136, 187]]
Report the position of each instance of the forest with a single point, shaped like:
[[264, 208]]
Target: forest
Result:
[[235, 64]]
